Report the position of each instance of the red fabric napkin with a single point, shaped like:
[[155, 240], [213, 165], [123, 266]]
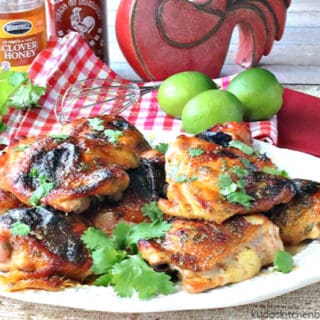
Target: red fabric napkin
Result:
[[299, 122]]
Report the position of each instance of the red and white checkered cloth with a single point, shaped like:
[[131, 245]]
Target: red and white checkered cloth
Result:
[[69, 59]]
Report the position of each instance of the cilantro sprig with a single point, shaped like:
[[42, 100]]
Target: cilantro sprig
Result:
[[113, 135], [116, 260], [162, 147], [96, 124], [232, 187], [17, 91], [242, 146], [42, 190], [19, 228]]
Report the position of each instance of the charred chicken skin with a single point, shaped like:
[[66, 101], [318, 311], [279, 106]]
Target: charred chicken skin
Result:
[[87, 159], [299, 219], [51, 256], [57, 173], [207, 255], [146, 184], [198, 172], [111, 139]]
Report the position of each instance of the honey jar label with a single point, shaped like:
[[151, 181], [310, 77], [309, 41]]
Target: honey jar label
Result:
[[21, 39]]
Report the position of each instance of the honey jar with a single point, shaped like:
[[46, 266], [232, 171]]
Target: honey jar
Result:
[[22, 33]]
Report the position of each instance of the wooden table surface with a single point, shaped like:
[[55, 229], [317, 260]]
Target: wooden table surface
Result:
[[295, 61]]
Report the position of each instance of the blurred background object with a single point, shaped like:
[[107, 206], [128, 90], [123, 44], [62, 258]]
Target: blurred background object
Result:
[[85, 17], [160, 38], [22, 33], [294, 59]]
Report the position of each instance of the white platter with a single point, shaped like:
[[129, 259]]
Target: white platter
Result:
[[266, 285]]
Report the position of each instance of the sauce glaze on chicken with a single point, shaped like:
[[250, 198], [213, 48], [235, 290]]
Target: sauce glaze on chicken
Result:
[[86, 176]]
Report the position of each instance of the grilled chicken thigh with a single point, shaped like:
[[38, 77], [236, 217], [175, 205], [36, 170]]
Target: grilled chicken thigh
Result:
[[111, 139], [208, 255], [56, 172], [212, 182], [299, 219], [50, 256]]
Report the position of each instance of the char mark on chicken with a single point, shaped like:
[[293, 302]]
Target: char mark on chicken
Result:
[[49, 254], [299, 219], [147, 183], [56, 172]]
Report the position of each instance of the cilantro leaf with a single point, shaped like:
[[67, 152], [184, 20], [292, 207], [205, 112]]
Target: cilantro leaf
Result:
[[103, 280], [18, 91], [276, 171], [44, 188], [26, 95], [241, 146], [113, 135], [19, 228], [105, 258], [95, 239], [34, 172], [240, 172], [162, 147], [234, 190], [120, 235], [195, 152], [184, 178], [96, 124], [17, 78], [3, 127], [58, 137], [225, 184], [152, 211], [134, 274], [283, 261], [240, 197], [116, 262], [147, 231]]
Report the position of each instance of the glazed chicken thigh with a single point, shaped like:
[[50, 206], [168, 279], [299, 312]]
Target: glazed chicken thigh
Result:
[[49, 256], [56, 172], [88, 159], [207, 255], [212, 182], [299, 219]]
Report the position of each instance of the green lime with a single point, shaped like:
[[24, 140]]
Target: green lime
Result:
[[259, 92], [175, 91], [209, 108]]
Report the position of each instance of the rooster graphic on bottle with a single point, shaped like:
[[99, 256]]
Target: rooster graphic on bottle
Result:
[[83, 16]]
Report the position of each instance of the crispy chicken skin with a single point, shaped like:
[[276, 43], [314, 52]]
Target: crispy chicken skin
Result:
[[50, 257], [30, 163], [299, 219], [235, 130], [193, 181], [8, 201], [130, 145], [207, 255], [146, 185]]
